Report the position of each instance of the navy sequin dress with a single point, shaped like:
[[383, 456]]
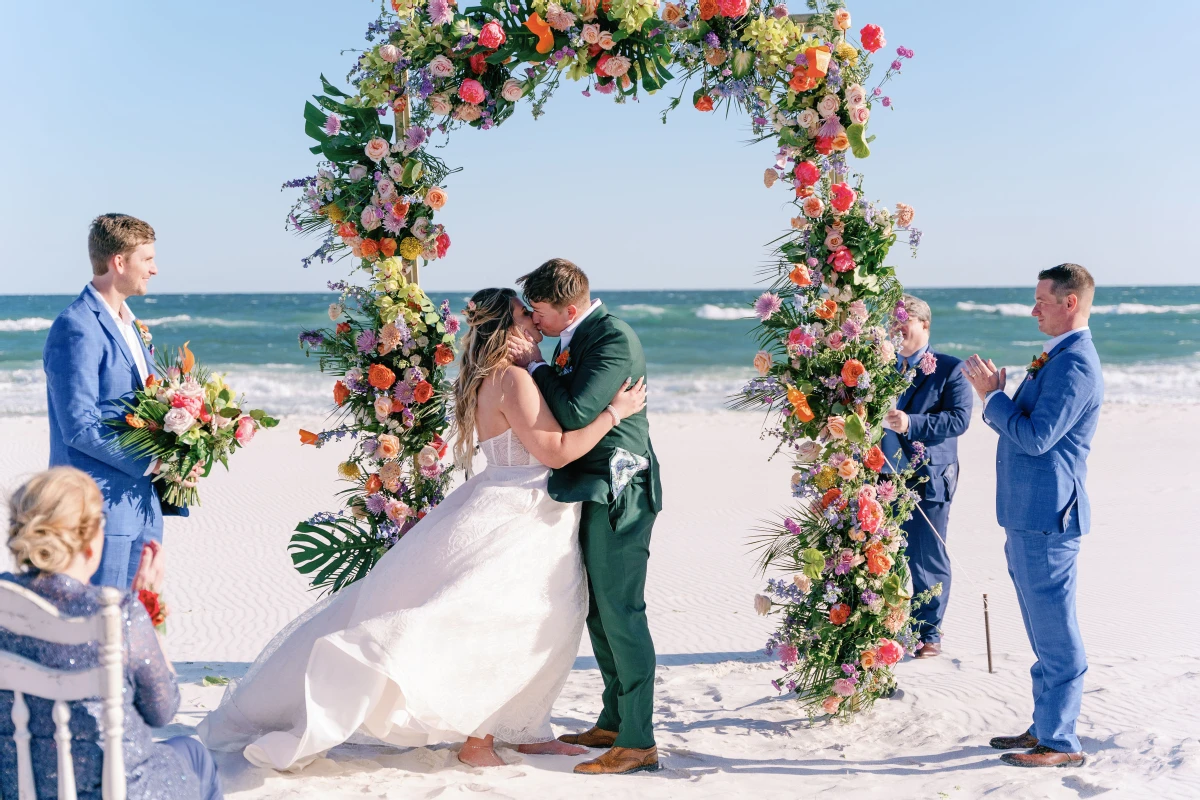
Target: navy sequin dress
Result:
[[153, 771]]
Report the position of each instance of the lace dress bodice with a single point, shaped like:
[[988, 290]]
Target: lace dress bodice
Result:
[[506, 450]]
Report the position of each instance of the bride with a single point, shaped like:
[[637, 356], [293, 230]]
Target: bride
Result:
[[468, 627]]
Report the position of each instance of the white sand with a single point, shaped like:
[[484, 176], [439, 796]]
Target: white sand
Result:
[[721, 729]]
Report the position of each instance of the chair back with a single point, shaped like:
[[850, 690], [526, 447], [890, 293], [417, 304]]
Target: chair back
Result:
[[26, 614]]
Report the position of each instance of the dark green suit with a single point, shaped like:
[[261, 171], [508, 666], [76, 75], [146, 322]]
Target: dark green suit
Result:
[[614, 532]]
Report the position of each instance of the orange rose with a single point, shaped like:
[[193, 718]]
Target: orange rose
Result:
[[563, 359], [400, 209], [708, 9], [389, 446], [839, 613], [874, 459], [878, 561], [830, 497], [799, 276], [381, 377], [841, 142], [341, 393], [370, 248], [800, 407], [387, 247], [151, 382], [342, 328], [308, 437], [423, 391], [867, 659], [134, 422], [826, 310], [443, 354], [347, 230], [374, 484], [435, 198], [704, 103], [852, 370]]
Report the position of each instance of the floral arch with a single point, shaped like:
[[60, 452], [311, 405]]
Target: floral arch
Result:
[[827, 319]]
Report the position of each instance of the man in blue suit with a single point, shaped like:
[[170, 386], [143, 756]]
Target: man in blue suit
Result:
[[97, 355], [1046, 434], [935, 411]]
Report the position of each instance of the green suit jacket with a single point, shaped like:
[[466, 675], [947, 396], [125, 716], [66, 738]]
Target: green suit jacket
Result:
[[604, 352]]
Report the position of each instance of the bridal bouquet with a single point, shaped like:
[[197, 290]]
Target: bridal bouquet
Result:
[[188, 419]]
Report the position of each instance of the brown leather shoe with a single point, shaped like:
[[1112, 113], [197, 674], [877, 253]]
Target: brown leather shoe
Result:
[[621, 761], [928, 650], [1042, 756], [1024, 741], [596, 737]]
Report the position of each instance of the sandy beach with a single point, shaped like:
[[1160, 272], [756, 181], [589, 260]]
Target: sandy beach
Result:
[[722, 730]]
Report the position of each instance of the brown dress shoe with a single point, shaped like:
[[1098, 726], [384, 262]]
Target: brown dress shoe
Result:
[[1042, 756], [596, 737], [929, 650], [621, 761], [1024, 741]]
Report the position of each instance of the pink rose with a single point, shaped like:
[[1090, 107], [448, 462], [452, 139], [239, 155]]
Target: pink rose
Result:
[[591, 33], [472, 91], [870, 514], [397, 511], [860, 114], [188, 403], [836, 340], [841, 197], [492, 36], [828, 105], [178, 421], [834, 240], [441, 67], [387, 190], [606, 41], [377, 148], [887, 350], [858, 310], [357, 172], [807, 119], [512, 90], [439, 104], [371, 218], [890, 651], [733, 9], [855, 95], [843, 687], [841, 259], [389, 53], [245, 430]]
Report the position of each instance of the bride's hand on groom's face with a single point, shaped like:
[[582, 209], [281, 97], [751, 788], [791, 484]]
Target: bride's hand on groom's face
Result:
[[521, 349], [629, 400]]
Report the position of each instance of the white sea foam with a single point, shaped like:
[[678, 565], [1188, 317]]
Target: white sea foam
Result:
[[25, 324], [1020, 310], [642, 309], [1003, 309], [709, 311], [210, 322]]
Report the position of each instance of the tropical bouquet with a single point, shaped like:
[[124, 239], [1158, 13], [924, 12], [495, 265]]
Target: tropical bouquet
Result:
[[186, 418], [390, 346]]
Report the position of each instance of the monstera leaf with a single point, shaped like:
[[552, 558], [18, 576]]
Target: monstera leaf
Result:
[[338, 551]]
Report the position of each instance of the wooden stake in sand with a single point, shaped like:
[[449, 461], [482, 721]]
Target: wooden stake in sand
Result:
[[987, 632]]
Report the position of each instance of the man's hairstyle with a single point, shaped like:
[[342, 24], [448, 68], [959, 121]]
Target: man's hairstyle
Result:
[[115, 234], [1070, 279], [557, 282], [917, 308]]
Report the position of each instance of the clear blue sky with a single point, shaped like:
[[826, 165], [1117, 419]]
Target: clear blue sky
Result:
[[1024, 135]]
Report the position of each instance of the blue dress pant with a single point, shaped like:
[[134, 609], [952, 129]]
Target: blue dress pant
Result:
[[1043, 570], [930, 565], [197, 758], [120, 559]]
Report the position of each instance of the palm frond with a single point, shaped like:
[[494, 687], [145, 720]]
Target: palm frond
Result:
[[338, 551]]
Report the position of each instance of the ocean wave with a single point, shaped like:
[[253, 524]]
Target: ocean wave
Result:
[[642, 309], [25, 324], [210, 322], [1003, 309], [1020, 310], [709, 311]]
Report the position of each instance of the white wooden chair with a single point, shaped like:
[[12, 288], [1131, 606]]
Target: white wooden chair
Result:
[[23, 612]]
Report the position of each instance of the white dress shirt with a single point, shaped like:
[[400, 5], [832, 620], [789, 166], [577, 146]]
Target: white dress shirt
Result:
[[133, 339], [568, 333], [1046, 348]]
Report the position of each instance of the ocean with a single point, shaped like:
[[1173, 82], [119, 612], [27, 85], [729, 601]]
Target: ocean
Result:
[[698, 343]]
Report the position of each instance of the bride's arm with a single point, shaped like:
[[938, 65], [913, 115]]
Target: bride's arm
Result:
[[530, 418]]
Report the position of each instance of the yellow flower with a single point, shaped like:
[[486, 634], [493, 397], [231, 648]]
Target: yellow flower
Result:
[[333, 212], [826, 478], [349, 471], [410, 248], [846, 52]]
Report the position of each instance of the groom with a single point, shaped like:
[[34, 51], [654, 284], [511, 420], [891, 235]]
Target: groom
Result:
[[1046, 434], [96, 356], [618, 484]]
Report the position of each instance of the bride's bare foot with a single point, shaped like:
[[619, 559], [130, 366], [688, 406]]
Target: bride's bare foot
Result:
[[551, 748], [479, 753]]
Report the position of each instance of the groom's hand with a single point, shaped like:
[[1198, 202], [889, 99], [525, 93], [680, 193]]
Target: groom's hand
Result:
[[983, 376], [522, 350]]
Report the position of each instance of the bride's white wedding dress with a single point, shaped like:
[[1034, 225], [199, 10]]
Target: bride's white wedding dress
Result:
[[469, 625]]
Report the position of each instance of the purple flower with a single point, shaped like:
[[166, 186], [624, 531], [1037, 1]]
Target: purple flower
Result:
[[366, 342], [440, 12], [312, 338], [887, 102], [901, 312], [767, 305], [712, 40], [896, 65], [333, 125], [852, 328], [876, 91], [376, 503], [414, 137], [792, 527], [452, 324], [788, 654], [928, 363], [779, 12]]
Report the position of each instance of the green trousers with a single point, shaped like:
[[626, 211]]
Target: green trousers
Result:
[[616, 549]]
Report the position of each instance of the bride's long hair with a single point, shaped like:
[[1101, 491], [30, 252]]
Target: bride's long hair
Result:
[[484, 349]]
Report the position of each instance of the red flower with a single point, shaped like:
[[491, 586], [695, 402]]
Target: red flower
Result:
[[443, 354], [704, 103], [841, 197], [872, 38], [478, 63], [807, 173], [440, 445], [604, 59], [839, 613], [875, 459], [492, 35], [342, 328], [347, 230], [842, 259], [154, 606], [472, 91], [823, 145], [443, 244], [889, 651], [341, 393]]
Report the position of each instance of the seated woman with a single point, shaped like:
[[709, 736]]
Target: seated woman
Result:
[[56, 533]]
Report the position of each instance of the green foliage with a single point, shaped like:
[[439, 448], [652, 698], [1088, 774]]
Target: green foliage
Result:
[[335, 553]]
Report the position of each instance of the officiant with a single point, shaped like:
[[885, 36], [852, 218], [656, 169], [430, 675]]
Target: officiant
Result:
[[935, 411]]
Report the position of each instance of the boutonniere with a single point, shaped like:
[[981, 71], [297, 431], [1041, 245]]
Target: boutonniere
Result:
[[1036, 365], [562, 363], [147, 338]]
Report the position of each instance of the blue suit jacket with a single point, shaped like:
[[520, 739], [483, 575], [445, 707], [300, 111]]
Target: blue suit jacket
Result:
[[89, 371], [1046, 434], [939, 411]]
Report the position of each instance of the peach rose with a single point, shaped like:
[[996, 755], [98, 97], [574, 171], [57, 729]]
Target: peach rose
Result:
[[831, 704], [716, 57], [841, 142], [904, 215], [878, 561], [587, 9], [435, 198], [606, 41], [389, 446], [887, 351], [867, 659], [591, 33], [836, 426], [802, 582], [672, 13], [841, 19], [848, 469], [439, 104], [377, 148], [813, 207], [383, 408], [428, 456], [762, 362]]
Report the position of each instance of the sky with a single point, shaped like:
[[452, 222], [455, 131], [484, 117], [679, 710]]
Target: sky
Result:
[[1024, 135]]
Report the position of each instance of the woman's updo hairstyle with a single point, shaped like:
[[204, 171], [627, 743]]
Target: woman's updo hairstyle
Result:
[[53, 518]]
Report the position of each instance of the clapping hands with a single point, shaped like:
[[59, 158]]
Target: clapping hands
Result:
[[984, 376]]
